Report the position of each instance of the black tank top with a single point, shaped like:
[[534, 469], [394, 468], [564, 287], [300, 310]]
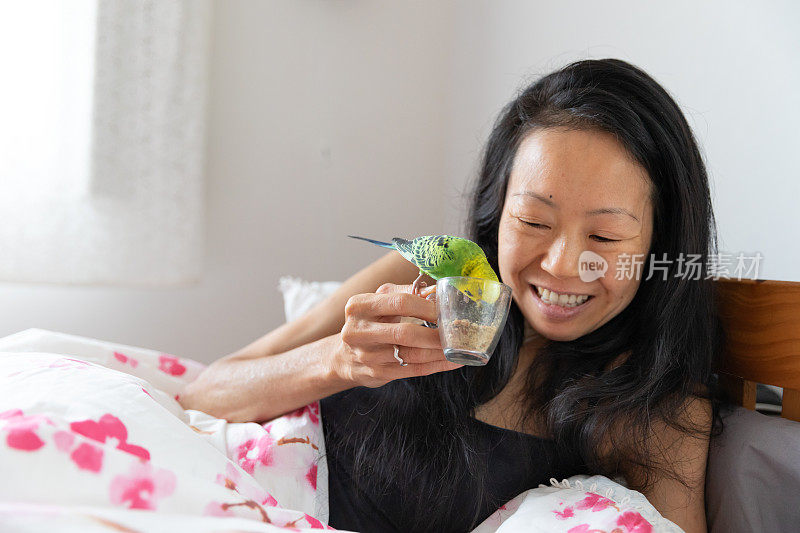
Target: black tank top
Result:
[[512, 470]]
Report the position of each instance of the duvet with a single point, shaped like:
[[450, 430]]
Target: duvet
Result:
[[92, 438]]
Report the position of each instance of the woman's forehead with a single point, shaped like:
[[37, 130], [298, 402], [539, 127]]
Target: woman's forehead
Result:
[[571, 165]]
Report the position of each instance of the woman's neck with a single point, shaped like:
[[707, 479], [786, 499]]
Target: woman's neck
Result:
[[529, 333], [532, 341]]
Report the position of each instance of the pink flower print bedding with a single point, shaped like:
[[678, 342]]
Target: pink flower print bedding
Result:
[[93, 439], [91, 435], [580, 504]]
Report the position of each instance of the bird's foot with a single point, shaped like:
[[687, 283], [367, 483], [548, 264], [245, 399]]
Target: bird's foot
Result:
[[416, 285]]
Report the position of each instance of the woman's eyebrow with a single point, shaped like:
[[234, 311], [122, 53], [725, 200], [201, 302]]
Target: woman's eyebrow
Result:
[[540, 197], [612, 211], [600, 211]]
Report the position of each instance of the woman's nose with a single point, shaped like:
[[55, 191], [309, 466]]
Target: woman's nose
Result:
[[562, 258]]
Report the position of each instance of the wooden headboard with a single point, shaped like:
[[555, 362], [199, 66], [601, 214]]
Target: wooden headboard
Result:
[[762, 324]]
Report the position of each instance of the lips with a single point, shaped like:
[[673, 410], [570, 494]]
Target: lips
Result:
[[558, 312], [573, 299]]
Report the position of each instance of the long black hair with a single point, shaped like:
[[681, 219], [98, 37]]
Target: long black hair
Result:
[[422, 441]]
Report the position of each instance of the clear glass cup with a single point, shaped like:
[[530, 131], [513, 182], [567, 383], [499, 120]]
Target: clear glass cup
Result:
[[471, 315]]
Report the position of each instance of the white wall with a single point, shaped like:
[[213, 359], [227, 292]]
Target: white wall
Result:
[[325, 120], [356, 116]]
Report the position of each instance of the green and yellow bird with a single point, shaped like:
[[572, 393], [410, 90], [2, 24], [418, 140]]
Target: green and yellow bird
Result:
[[442, 256]]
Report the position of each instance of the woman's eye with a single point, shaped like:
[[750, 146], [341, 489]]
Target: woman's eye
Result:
[[533, 224], [598, 238]]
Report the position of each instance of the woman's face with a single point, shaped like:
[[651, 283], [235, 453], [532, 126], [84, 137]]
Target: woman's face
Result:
[[572, 192]]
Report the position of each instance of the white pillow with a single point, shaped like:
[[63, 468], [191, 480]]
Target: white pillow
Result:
[[299, 296]]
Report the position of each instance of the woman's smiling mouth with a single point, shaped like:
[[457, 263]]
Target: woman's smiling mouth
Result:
[[560, 306], [562, 299]]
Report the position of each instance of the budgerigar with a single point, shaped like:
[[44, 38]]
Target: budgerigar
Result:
[[441, 256]]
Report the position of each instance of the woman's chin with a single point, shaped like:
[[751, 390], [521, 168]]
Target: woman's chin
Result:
[[555, 332], [560, 337]]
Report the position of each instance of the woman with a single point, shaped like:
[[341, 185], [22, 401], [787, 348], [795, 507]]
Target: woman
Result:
[[604, 376]]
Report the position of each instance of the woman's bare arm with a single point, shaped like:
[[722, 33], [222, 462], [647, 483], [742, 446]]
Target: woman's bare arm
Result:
[[290, 366], [327, 318]]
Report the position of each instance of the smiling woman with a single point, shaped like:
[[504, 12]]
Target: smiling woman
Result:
[[614, 373], [625, 383], [605, 374]]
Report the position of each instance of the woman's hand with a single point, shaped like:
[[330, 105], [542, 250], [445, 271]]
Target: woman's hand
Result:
[[365, 352]]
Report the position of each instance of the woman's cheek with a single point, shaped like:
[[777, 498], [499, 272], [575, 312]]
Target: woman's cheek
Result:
[[508, 246], [622, 266], [621, 290]]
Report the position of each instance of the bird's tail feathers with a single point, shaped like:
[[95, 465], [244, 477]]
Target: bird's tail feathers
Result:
[[373, 241]]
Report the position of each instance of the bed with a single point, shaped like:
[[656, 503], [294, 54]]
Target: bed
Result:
[[753, 478], [93, 439], [762, 325]]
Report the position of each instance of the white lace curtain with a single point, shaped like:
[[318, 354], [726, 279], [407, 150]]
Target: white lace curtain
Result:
[[101, 145]]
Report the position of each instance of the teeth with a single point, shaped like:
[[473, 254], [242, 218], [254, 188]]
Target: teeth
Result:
[[564, 300]]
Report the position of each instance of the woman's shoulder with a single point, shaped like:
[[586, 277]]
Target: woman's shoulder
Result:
[[675, 444]]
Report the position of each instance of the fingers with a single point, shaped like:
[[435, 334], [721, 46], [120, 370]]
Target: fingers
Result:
[[428, 291], [390, 302], [373, 327], [368, 334], [377, 366], [442, 365], [388, 288], [416, 356], [424, 291], [395, 371], [404, 334]]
